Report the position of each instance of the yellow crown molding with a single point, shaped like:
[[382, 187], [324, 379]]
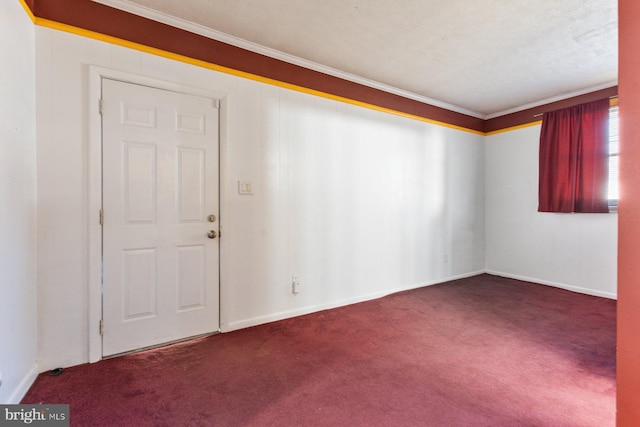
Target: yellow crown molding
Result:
[[28, 10], [509, 129], [176, 57]]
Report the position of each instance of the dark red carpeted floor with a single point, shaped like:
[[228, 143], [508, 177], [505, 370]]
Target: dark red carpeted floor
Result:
[[484, 351]]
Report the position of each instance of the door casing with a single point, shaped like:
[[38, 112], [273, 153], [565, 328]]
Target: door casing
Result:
[[94, 187]]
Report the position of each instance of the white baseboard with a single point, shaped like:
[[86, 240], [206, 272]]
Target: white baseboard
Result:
[[246, 323], [23, 387], [572, 288]]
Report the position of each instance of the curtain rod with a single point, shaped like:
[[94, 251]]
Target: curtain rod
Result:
[[612, 103]]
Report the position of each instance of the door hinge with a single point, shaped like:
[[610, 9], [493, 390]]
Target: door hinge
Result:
[[101, 216], [101, 327], [100, 105]]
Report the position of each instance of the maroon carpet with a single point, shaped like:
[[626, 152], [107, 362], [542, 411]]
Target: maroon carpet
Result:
[[484, 351]]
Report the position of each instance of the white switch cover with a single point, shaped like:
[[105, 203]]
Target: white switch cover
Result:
[[244, 187]]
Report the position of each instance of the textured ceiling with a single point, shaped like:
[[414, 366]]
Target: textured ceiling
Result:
[[486, 57]]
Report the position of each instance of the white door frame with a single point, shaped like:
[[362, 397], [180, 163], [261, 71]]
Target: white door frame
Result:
[[94, 172]]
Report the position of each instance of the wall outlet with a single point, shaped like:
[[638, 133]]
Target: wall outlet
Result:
[[295, 285]]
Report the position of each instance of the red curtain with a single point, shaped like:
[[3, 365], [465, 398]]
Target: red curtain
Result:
[[574, 159]]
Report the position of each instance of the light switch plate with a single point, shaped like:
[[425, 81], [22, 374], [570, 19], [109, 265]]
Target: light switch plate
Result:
[[245, 188]]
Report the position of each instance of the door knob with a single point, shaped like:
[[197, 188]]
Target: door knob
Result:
[[212, 234]]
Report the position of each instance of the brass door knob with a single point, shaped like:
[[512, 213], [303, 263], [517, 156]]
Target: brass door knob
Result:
[[212, 234]]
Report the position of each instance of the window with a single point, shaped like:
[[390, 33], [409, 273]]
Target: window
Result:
[[612, 193]]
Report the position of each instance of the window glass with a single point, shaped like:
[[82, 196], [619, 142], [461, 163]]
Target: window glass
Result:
[[613, 156]]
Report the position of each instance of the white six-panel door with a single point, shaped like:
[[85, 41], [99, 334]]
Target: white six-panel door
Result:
[[160, 202]]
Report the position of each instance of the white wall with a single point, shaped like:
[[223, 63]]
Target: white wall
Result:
[[355, 202], [18, 302], [571, 251]]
